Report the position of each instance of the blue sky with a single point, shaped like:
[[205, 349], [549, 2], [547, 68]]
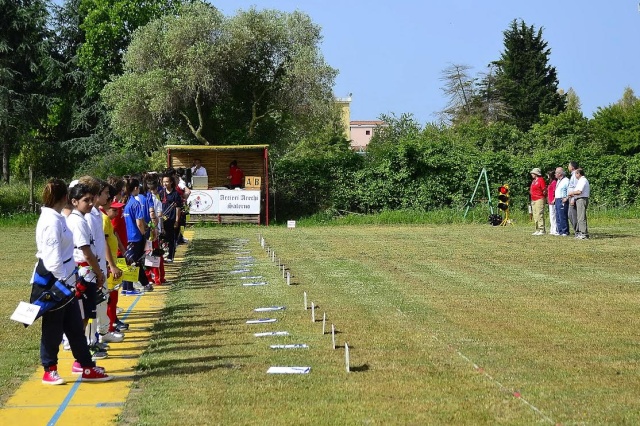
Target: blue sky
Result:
[[390, 54]]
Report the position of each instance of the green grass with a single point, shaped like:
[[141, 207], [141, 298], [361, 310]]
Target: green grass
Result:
[[19, 347], [553, 319]]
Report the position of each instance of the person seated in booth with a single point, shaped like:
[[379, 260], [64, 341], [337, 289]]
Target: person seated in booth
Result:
[[197, 169], [236, 176]]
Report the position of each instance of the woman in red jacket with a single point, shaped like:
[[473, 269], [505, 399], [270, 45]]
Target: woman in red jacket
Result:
[[537, 192]]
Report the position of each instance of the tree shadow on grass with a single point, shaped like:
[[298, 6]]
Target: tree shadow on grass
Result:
[[184, 366]]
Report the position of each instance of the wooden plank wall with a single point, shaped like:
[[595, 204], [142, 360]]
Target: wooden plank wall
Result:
[[251, 161]]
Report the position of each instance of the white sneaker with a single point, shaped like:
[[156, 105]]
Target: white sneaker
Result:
[[538, 233], [112, 337]]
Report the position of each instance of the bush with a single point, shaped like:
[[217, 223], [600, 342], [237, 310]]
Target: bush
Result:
[[116, 164], [14, 198]]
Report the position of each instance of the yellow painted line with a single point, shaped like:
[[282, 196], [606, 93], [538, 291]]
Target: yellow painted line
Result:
[[93, 403]]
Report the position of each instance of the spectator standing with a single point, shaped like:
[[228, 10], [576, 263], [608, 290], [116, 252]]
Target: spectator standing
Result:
[[573, 181], [537, 192], [581, 194], [551, 199], [562, 203]]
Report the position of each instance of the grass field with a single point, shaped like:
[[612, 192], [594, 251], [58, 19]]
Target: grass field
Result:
[[447, 324]]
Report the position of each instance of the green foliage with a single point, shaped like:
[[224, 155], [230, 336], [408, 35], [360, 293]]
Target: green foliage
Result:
[[24, 63], [617, 127], [257, 77], [108, 26], [302, 186], [14, 197], [525, 81], [115, 164]]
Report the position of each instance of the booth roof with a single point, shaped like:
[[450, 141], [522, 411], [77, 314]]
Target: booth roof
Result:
[[213, 147]]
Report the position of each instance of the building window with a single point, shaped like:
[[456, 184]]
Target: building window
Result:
[[368, 132]]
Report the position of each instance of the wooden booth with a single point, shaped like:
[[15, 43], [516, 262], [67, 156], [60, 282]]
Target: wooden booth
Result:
[[210, 199]]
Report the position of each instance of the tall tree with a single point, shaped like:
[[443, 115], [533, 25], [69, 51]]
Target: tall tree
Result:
[[108, 26], [234, 80], [24, 62], [460, 90], [526, 82]]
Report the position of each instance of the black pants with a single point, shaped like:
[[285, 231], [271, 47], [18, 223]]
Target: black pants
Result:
[[137, 250], [171, 236], [68, 321]]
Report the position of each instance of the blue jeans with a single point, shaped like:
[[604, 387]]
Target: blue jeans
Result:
[[562, 216]]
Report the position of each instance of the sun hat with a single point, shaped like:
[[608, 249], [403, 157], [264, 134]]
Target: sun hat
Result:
[[116, 205], [536, 171]]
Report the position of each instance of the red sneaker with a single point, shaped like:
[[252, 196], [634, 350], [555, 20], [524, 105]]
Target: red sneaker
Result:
[[76, 368], [95, 374], [52, 377]]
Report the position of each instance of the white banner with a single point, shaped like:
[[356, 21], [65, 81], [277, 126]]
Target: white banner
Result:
[[224, 201]]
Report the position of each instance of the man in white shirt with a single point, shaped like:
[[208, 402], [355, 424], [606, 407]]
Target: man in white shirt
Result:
[[562, 202], [197, 169], [573, 180], [581, 194]]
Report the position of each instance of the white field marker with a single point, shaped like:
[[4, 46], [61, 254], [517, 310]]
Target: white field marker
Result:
[[305, 300], [346, 355], [262, 321], [292, 346], [273, 256], [262, 242], [324, 322], [313, 312], [289, 370], [283, 271], [255, 284], [270, 309], [333, 336], [288, 278], [272, 333]]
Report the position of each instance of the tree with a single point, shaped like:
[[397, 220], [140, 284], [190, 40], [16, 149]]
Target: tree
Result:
[[108, 26], [197, 75], [525, 81], [573, 101], [24, 62], [617, 126], [460, 89], [490, 106]]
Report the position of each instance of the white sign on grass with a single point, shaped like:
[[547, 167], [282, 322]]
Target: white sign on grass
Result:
[[240, 271], [293, 346], [255, 277], [289, 370], [262, 321], [270, 309], [271, 333], [255, 284]]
